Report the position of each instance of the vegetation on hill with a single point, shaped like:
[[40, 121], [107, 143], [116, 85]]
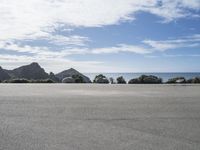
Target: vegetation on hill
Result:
[[28, 81], [78, 79], [73, 79]]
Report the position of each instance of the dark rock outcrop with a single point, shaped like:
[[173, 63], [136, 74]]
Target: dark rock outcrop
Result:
[[151, 79], [134, 81], [101, 79], [146, 79], [73, 74], [176, 80], [32, 71], [194, 80], [3, 74]]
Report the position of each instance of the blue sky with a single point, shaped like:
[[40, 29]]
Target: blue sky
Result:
[[101, 35]]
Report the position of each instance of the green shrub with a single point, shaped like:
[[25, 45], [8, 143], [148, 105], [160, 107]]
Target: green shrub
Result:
[[121, 80], [17, 81], [98, 76], [42, 81], [28, 81], [78, 79], [101, 79]]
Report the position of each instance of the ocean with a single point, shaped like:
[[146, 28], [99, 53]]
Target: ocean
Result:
[[128, 76]]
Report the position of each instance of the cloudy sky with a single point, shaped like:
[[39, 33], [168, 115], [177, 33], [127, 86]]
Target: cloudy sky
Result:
[[101, 35]]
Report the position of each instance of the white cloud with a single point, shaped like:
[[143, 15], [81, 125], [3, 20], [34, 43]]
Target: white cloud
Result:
[[22, 19], [170, 10], [184, 42], [180, 55], [68, 40], [10, 46], [45, 51], [150, 46], [60, 40], [146, 47], [172, 55], [121, 48]]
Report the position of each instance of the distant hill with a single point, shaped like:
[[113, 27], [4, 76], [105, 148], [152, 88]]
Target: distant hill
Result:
[[32, 71], [3, 74], [35, 72], [70, 73]]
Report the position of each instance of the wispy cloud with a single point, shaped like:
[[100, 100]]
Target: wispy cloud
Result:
[[150, 46], [183, 42], [21, 19], [68, 40], [171, 55], [181, 55], [121, 48], [60, 40], [171, 10], [146, 47]]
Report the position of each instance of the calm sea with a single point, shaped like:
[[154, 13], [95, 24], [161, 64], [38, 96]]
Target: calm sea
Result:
[[128, 76]]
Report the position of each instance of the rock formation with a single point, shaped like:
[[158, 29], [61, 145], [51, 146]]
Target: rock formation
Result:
[[32, 71], [146, 79], [3, 74], [74, 74], [176, 80]]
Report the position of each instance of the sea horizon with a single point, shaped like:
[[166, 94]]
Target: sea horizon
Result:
[[130, 75]]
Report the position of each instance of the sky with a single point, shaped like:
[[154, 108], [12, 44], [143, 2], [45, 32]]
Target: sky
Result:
[[101, 35]]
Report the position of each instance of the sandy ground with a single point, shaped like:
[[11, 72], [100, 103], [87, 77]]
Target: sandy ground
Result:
[[99, 117]]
